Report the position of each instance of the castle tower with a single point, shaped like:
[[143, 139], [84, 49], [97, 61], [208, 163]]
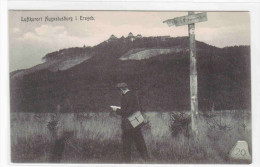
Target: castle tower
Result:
[[139, 36], [131, 36], [112, 38]]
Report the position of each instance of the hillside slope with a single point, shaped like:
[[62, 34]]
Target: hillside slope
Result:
[[146, 53], [64, 61], [155, 69]]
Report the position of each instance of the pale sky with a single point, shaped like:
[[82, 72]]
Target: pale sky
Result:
[[30, 41]]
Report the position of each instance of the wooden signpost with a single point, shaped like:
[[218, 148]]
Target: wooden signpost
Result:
[[190, 20]]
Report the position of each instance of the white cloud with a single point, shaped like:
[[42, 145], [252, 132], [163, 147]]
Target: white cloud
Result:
[[55, 37], [45, 30], [28, 48], [224, 36]]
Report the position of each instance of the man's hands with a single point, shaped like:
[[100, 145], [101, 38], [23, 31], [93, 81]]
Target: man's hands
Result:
[[115, 108]]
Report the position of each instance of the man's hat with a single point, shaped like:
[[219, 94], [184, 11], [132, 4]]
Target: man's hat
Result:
[[121, 85]]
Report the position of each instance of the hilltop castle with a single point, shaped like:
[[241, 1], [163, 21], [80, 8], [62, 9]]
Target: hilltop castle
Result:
[[131, 37]]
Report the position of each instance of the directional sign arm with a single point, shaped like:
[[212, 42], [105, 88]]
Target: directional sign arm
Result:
[[185, 20], [170, 22]]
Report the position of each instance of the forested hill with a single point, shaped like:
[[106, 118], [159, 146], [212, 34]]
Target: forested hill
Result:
[[83, 79]]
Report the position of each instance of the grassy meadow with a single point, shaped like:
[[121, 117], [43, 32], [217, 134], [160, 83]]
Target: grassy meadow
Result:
[[97, 138]]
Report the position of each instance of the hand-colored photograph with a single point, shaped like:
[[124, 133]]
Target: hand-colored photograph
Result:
[[130, 87]]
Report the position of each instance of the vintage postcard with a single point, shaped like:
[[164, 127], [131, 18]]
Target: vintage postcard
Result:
[[143, 87]]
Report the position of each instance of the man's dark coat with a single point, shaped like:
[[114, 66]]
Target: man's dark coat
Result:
[[129, 105]]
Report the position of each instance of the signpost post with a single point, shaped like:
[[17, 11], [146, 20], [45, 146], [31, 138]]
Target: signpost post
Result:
[[190, 20]]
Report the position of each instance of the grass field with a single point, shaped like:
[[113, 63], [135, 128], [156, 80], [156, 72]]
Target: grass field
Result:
[[97, 138]]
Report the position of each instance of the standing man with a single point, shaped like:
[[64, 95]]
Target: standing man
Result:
[[129, 105]]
